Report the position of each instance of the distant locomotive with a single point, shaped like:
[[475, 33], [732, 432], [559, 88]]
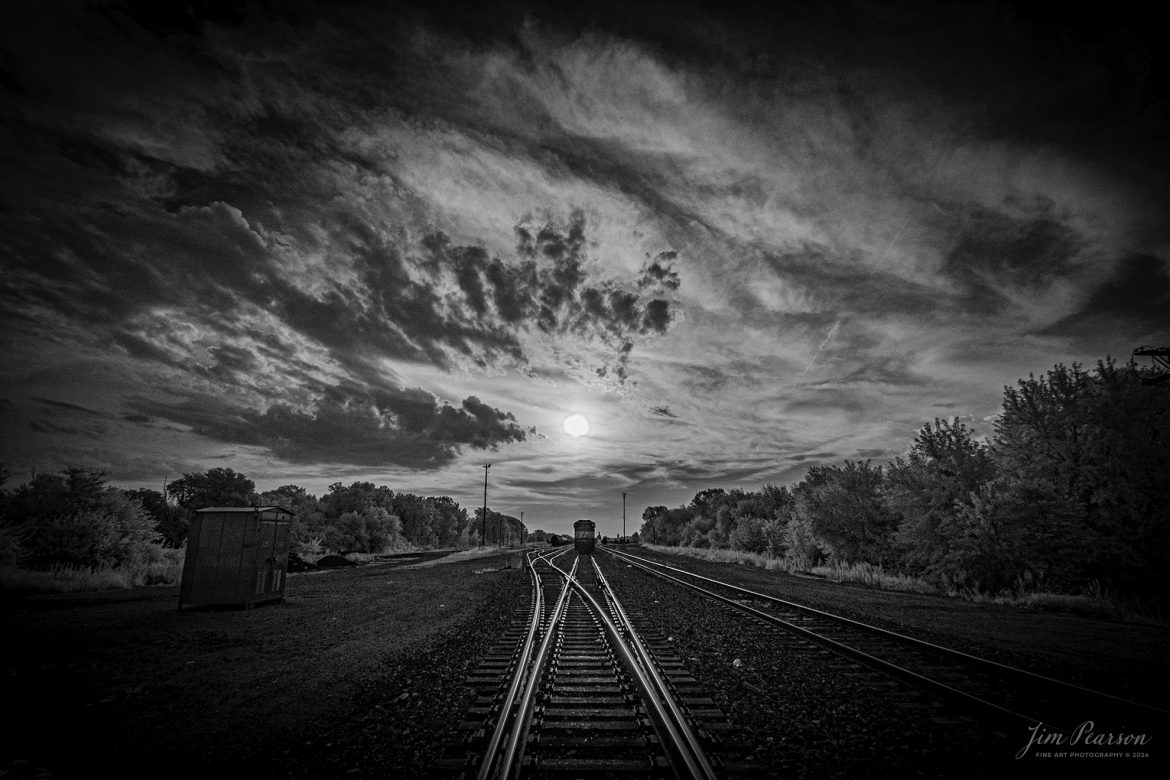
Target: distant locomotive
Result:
[[584, 536]]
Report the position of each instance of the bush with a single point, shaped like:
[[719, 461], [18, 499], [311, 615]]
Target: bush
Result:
[[748, 535], [114, 533]]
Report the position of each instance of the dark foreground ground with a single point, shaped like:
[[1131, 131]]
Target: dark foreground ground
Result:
[[359, 673], [810, 714], [350, 676]]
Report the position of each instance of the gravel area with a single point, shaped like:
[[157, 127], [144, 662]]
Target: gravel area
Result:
[[1131, 660], [805, 716], [812, 714], [356, 673], [360, 672]]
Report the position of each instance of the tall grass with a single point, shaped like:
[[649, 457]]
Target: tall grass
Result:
[[725, 555], [1094, 602], [862, 573], [165, 569], [873, 576]]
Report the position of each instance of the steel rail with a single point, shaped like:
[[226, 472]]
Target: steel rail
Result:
[[910, 641], [678, 751], [647, 660], [510, 762], [502, 723]]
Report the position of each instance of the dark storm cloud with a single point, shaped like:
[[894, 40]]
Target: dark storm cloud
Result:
[[379, 428]]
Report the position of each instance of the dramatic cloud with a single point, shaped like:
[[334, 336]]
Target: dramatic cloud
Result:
[[348, 238], [379, 429]]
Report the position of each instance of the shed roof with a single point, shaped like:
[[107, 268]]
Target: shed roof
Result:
[[245, 509]]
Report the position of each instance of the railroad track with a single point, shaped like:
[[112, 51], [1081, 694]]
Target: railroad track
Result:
[[1001, 695], [575, 691]]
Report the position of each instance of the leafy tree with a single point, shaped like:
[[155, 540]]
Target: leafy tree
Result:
[[308, 520], [775, 499], [1012, 531], [75, 518], [944, 466], [501, 529], [373, 530], [449, 520], [359, 496], [12, 552], [705, 501], [803, 549], [775, 531], [748, 535], [199, 490], [696, 532], [844, 508], [48, 495], [654, 526], [419, 518], [214, 487], [1100, 440], [168, 520]]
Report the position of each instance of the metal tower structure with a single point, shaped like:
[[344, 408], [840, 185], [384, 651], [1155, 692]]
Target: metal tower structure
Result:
[[1161, 359]]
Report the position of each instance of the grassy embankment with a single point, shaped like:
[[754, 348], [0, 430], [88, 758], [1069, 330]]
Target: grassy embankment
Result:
[[1093, 602]]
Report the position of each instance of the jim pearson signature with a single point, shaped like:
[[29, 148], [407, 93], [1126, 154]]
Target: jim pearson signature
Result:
[[1084, 734]]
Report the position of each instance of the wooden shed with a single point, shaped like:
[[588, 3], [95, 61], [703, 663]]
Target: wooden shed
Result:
[[236, 556]]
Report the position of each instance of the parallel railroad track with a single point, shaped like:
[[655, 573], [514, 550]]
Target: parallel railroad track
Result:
[[997, 693], [581, 694]]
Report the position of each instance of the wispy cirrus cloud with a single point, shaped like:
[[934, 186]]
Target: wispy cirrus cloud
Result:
[[364, 238]]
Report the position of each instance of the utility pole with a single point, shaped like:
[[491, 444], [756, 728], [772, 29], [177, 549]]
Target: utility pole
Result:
[[483, 523], [623, 515], [523, 533]]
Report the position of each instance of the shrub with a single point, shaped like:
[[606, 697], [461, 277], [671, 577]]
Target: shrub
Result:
[[115, 533], [12, 551], [748, 535]]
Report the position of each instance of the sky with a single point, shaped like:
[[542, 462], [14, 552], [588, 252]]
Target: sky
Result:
[[396, 242]]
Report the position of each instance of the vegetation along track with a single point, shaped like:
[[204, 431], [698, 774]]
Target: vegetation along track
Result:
[[998, 694], [573, 690]]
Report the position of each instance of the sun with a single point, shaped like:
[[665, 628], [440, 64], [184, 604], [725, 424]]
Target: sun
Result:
[[576, 425]]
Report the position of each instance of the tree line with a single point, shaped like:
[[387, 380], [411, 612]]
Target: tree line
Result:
[[76, 518], [1071, 488]]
